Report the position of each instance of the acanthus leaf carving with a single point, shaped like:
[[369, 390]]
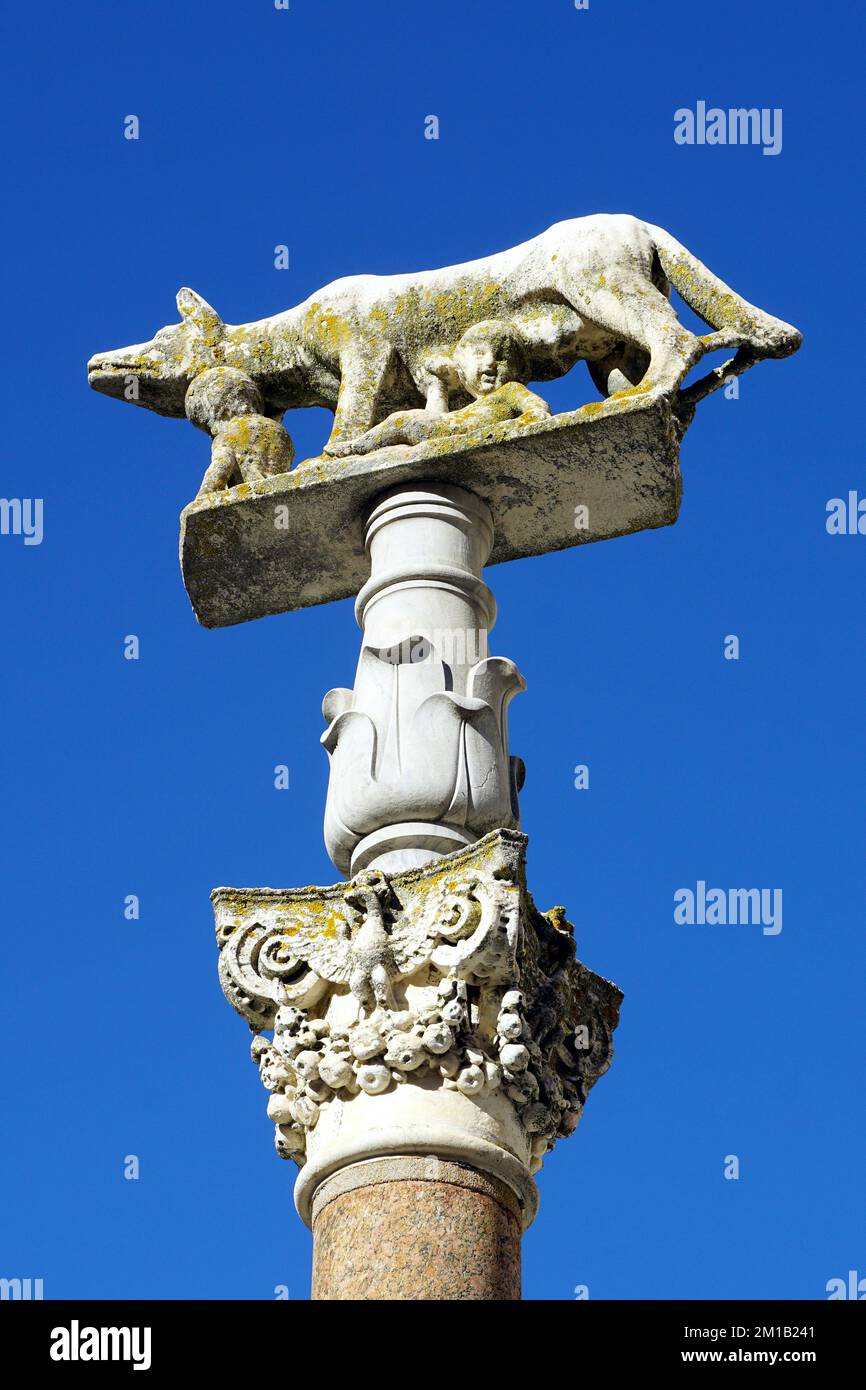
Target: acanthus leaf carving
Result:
[[447, 974]]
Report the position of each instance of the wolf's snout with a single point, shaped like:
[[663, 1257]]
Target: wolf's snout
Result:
[[104, 364], [101, 369]]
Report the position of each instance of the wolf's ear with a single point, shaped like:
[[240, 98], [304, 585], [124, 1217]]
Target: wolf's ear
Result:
[[197, 310]]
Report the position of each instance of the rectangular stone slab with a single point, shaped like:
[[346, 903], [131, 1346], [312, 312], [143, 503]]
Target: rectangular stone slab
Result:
[[298, 539]]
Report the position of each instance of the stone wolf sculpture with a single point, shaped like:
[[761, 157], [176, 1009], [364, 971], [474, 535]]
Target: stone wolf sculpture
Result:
[[593, 288]]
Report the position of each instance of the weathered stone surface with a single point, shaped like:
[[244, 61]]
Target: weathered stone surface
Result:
[[592, 288], [247, 445], [449, 1018], [445, 355], [489, 365], [298, 540], [415, 1229]]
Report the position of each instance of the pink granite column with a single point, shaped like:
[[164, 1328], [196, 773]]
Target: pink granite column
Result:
[[415, 1228]]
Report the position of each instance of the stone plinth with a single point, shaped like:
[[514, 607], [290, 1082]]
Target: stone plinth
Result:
[[299, 539], [415, 1229]]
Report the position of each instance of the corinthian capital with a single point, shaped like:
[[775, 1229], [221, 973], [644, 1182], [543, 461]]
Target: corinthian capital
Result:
[[434, 1011]]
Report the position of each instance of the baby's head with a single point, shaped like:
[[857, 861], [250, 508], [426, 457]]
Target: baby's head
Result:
[[488, 355], [219, 395]]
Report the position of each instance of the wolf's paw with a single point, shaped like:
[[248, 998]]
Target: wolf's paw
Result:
[[338, 449]]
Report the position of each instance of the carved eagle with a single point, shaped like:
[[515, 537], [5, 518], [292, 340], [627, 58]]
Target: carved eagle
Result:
[[466, 925], [371, 956], [470, 928]]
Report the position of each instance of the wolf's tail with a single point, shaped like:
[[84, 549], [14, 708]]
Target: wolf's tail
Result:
[[738, 322]]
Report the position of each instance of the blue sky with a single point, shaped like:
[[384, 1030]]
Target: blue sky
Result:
[[261, 127]]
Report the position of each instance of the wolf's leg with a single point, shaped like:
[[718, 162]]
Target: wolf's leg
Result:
[[363, 375], [738, 321], [641, 315]]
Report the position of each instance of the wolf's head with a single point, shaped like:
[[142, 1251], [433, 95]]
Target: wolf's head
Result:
[[156, 374]]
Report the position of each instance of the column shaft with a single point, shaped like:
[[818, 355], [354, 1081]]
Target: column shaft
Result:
[[415, 1229]]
